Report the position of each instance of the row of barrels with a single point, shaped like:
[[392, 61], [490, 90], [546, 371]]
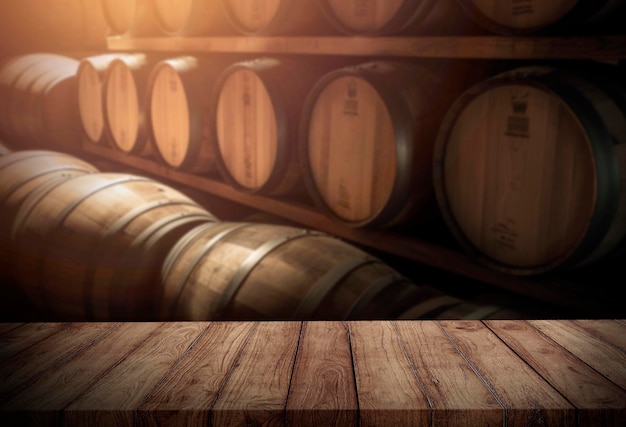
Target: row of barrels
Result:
[[525, 166], [351, 17], [82, 244]]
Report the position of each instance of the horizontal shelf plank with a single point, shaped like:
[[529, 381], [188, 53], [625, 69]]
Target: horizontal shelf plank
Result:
[[606, 48], [566, 294]]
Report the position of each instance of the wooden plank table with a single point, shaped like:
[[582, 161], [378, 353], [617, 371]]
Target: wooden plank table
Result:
[[382, 373]]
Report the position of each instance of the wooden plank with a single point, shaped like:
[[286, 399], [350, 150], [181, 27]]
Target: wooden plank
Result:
[[611, 331], [116, 396], [5, 327], [17, 339], [457, 395], [528, 398], [487, 47], [26, 366], [323, 389], [599, 354], [388, 391], [598, 400], [187, 394], [256, 391], [37, 405]]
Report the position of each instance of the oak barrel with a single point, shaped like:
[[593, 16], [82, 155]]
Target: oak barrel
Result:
[[38, 101], [23, 172], [510, 17], [367, 136], [191, 18], [90, 81], [92, 247], [257, 111], [136, 18], [180, 109], [246, 271], [529, 168], [396, 17], [277, 17], [125, 103]]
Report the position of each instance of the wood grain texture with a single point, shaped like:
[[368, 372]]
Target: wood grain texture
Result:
[[17, 337]]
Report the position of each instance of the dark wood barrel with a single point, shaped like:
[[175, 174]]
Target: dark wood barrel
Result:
[[38, 102], [397, 17], [125, 103], [33, 26], [136, 18], [510, 17], [246, 271], [180, 109], [277, 17], [367, 137], [22, 173], [90, 82], [192, 18], [257, 111], [529, 168], [92, 247]]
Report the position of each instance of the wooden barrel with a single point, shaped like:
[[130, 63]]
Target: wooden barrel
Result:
[[38, 106], [251, 271], [529, 168], [512, 17], [90, 81], [396, 17], [367, 136], [62, 25], [277, 17], [136, 18], [256, 118], [92, 247], [180, 109], [125, 103], [191, 18], [23, 172]]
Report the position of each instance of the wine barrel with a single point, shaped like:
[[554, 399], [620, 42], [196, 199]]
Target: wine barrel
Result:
[[529, 168], [180, 109], [367, 136], [91, 248], [251, 271], [38, 106], [187, 18], [125, 103], [32, 26], [90, 81], [511, 17], [277, 17], [257, 110], [22, 173], [396, 17], [131, 18]]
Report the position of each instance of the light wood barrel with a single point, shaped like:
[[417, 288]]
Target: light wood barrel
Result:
[[135, 18], [396, 17], [192, 18], [23, 172], [251, 271], [511, 17], [530, 165], [258, 106], [277, 17], [38, 106], [92, 247], [125, 103], [367, 136], [34, 26], [90, 81], [180, 111]]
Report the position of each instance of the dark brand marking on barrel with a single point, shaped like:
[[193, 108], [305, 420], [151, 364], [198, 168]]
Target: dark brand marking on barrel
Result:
[[351, 104], [518, 124], [344, 195], [506, 236], [522, 7]]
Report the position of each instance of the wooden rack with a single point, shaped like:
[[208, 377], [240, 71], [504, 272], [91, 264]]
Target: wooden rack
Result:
[[559, 291]]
